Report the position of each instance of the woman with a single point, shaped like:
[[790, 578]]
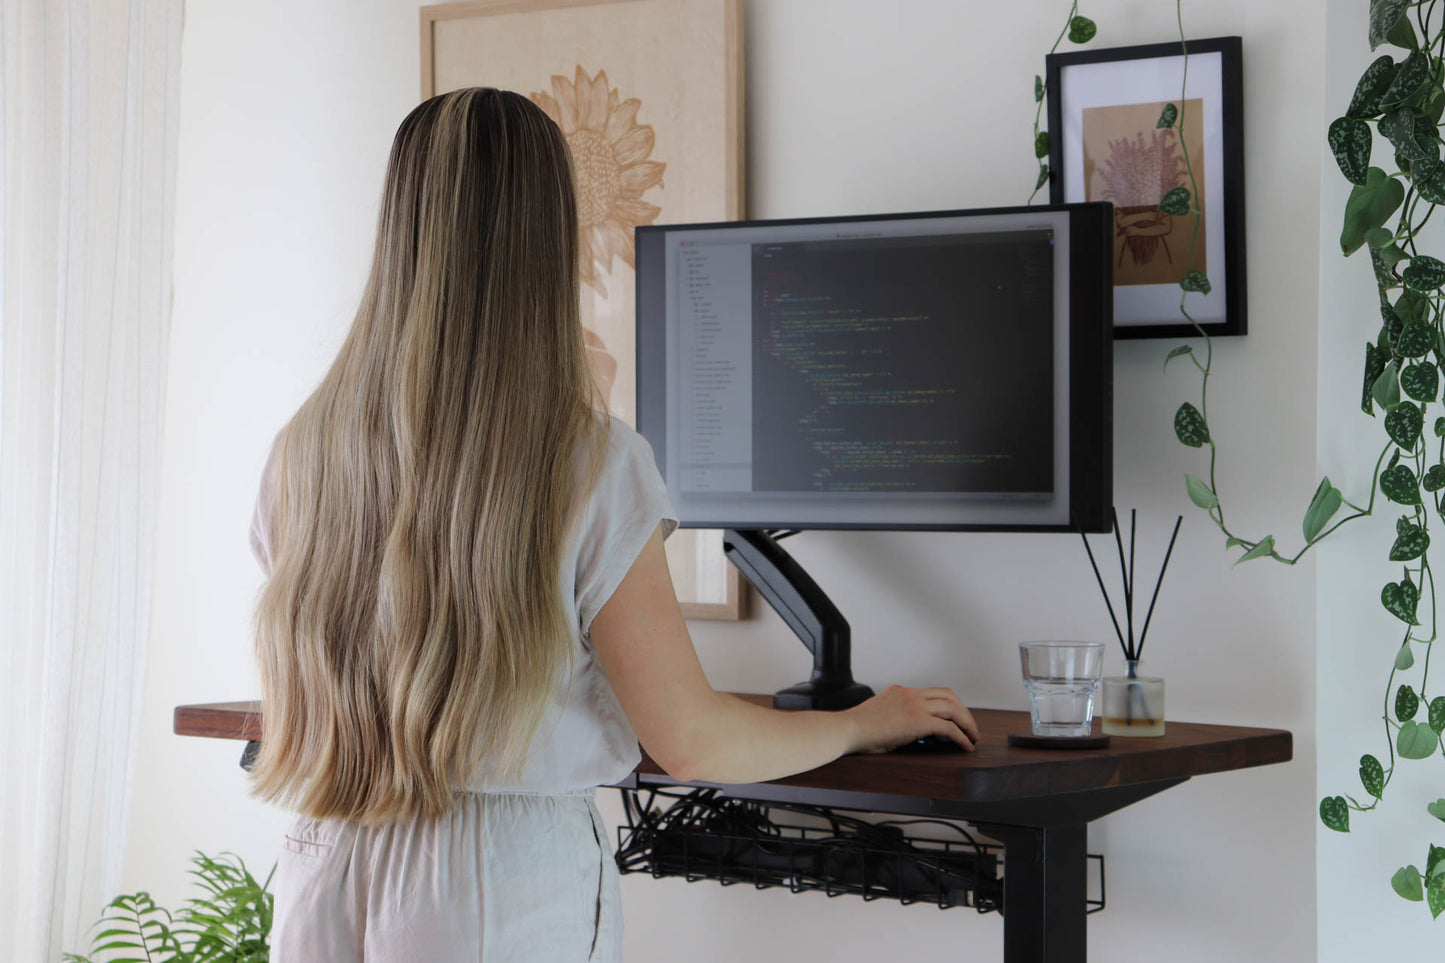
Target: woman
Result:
[[468, 622]]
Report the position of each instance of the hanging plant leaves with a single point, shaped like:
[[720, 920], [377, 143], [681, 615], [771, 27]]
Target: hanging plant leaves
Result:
[[1190, 427], [1372, 775], [1375, 361], [1416, 339], [1420, 381], [1406, 882], [1409, 78], [1196, 280], [1041, 144], [1437, 714], [1404, 659], [1435, 896], [1371, 87], [1410, 544], [1392, 327], [1401, 600], [1170, 114], [1399, 485], [1350, 141], [1380, 237], [1416, 741], [1200, 493], [1407, 703], [1434, 862], [1369, 206], [1412, 135], [1402, 35], [1322, 508], [1386, 389], [1434, 479], [1437, 809], [1038, 88], [1335, 814], [1431, 187], [1265, 546], [1424, 273], [1412, 306], [1384, 14], [1043, 176], [1183, 349], [1176, 202], [1403, 423], [1384, 270], [1082, 30]]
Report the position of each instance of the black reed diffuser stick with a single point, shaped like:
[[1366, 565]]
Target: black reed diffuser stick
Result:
[[1132, 649]]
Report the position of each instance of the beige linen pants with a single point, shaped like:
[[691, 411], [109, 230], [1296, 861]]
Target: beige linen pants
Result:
[[500, 879]]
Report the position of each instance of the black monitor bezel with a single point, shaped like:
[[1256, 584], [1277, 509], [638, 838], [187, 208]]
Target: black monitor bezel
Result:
[[1091, 357]]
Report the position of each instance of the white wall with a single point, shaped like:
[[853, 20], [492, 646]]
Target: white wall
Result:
[[853, 106], [1360, 917]]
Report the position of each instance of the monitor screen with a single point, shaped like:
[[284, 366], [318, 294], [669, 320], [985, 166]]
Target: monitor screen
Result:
[[946, 370]]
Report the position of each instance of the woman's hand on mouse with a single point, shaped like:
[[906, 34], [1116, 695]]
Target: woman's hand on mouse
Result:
[[900, 715]]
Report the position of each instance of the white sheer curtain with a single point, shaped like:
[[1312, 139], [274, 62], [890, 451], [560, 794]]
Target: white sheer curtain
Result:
[[89, 89]]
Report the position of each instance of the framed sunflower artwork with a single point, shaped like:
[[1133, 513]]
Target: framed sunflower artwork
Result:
[[649, 94], [1120, 132]]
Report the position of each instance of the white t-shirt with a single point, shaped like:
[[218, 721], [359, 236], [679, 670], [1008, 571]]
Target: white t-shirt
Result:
[[585, 740]]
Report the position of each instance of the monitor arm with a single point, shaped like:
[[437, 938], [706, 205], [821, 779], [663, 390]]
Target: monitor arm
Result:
[[808, 611]]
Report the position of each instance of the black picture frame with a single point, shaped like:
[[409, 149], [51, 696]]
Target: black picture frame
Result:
[[1083, 81]]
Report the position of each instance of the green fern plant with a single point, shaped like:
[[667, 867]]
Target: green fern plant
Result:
[[229, 923]]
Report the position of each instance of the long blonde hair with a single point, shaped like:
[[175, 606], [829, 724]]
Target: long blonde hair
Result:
[[413, 626]]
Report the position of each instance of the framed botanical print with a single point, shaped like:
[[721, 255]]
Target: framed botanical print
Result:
[[649, 94], [1109, 141]]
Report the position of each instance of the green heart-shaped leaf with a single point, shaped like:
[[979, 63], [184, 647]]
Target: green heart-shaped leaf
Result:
[[1082, 30], [1424, 273], [1039, 88], [1421, 381], [1401, 599], [1437, 714], [1372, 775], [1200, 493], [1412, 306], [1196, 281], [1350, 141], [1434, 479], [1183, 349], [1263, 547], [1384, 14], [1369, 206], [1409, 77], [1404, 658], [1371, 87], [1380, 237], [1375, 361], [1407, 703], [1041, 146], [1170, 114], [1403, 424], [1416, 338], [1416, 741], [1406, 882], [1410, 544], [1335, 814], [1399, 485], [1402, 35], [1190, 427], [1176, 201], [1386, 389], [1326, 502], [1437, 809], [1431, 184]]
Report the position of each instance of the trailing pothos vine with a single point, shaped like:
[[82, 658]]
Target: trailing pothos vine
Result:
[[1404, 101]]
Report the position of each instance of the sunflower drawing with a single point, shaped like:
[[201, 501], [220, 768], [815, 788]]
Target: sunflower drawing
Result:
[[610, 159]]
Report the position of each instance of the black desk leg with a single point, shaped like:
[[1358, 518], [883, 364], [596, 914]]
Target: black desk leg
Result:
[[1044, 892]]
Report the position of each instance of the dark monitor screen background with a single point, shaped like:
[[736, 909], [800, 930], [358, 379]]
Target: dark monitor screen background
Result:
[[913, 364]]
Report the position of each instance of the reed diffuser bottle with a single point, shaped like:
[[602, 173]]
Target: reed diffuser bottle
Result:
[[1133, 704]]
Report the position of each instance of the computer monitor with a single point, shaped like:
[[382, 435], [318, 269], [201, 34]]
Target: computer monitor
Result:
[[939, 371]]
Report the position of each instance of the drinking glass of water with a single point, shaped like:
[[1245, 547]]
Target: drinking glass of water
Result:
[[1062, 678]]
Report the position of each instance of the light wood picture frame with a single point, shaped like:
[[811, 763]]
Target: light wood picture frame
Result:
[[650, 96]]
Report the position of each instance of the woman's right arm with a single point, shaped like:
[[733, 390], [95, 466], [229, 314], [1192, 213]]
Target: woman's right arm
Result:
[[697, 733]]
